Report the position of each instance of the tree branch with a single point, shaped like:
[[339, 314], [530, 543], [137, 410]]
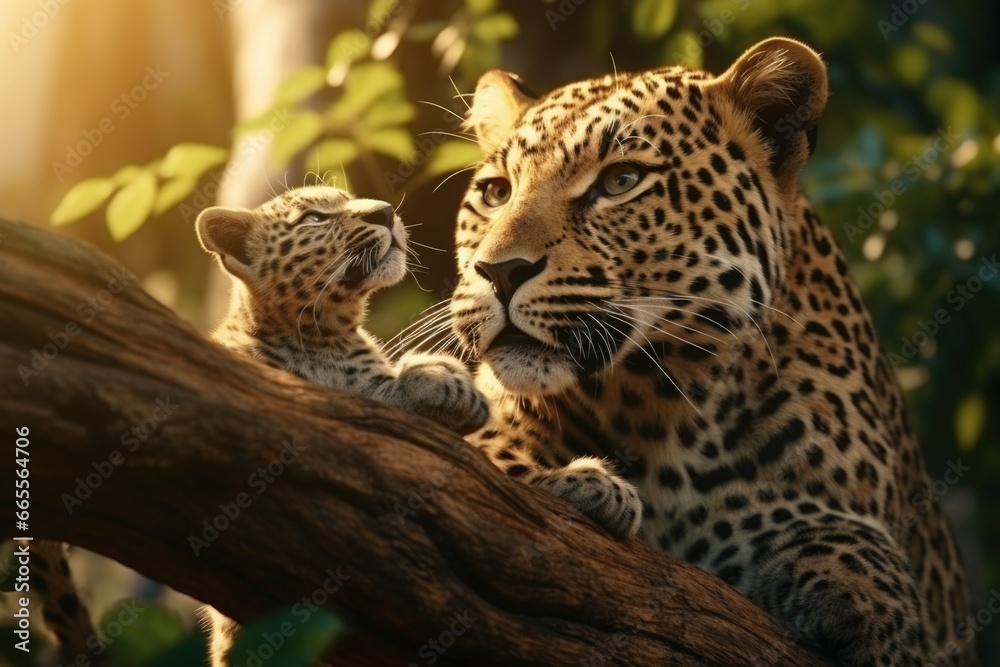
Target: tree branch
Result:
[[165, 432]]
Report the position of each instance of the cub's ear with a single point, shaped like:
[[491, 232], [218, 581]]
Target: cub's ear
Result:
[[499, 101], [781, 85], [224, 231]]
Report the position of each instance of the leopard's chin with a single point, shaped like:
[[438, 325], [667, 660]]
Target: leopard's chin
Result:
[[386, 271], [527, 366], [529, 369]]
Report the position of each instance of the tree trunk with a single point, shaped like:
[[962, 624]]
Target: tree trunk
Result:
[[144, 434]]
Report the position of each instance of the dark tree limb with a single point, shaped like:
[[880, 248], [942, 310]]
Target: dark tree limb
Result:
[[544, 586]]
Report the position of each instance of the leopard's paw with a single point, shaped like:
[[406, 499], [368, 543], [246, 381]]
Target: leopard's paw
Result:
[[440, 388], [589, 485]]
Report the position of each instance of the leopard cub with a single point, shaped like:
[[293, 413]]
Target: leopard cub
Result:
[[303, 266]]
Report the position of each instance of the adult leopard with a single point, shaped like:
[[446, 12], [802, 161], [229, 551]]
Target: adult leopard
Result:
[[640, 274]]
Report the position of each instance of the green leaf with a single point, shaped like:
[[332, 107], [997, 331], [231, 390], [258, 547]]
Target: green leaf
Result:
[[473, 57], [254, 123], [347, 47], [144, 631], [333, 154], [933, 36], [302, 130], [173, 192], [653, 18], [301, 84], [192, 159], [970, 417], [495, 27], [451, 155], [366, 84], [302, 642], [388, 112], [425, 31], [126, 174], [82, 199], [380, 12], [131, 206], [480, 7], [910, 63], [955, 100], [394, 142]]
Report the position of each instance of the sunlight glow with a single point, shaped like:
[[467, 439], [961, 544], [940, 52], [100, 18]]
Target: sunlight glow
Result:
[[965, 153], [873, 247], [964, 249]]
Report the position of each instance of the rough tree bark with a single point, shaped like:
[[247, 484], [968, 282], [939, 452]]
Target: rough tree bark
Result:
[[87, 354]]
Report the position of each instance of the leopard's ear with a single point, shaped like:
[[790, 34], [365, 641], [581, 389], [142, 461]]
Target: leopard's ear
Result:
[[781, 85], [225, 232], [498, 104]]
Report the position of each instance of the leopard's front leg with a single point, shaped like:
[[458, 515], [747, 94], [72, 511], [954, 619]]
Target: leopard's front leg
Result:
[[845, 586], [522, 442]]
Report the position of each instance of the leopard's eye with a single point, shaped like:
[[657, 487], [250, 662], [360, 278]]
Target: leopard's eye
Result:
[[619, 178], [310, 217], [496, 192]]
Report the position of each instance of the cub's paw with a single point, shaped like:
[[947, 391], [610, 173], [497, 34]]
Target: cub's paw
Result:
[[439, 387], [588, 484]]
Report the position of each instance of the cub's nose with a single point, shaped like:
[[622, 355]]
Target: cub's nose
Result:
[[507, 277], [381, 215]]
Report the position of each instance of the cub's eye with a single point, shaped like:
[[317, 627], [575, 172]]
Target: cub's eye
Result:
[[619, 178], [310, 217], [496, 192]]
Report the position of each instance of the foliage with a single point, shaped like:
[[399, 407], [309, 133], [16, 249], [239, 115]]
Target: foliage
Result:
[[916, 218], [369, 113]]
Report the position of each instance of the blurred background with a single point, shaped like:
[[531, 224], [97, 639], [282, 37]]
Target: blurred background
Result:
[[121, 120]]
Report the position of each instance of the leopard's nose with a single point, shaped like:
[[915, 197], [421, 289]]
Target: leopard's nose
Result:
[[507, 277], [382, 215]]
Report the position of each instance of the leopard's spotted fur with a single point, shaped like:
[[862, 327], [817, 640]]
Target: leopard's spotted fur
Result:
[[661, 315], [303, 267]]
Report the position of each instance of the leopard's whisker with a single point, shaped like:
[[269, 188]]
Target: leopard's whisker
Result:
[[630, 303], [464, 136], [405, 337], [635, 320], [432, 326], [746, 278], [429, 247], [460, 95], [454, 174], [660, 318], [651, 357], [442, 108], [744, 311], [430, 335], [427, 314]]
